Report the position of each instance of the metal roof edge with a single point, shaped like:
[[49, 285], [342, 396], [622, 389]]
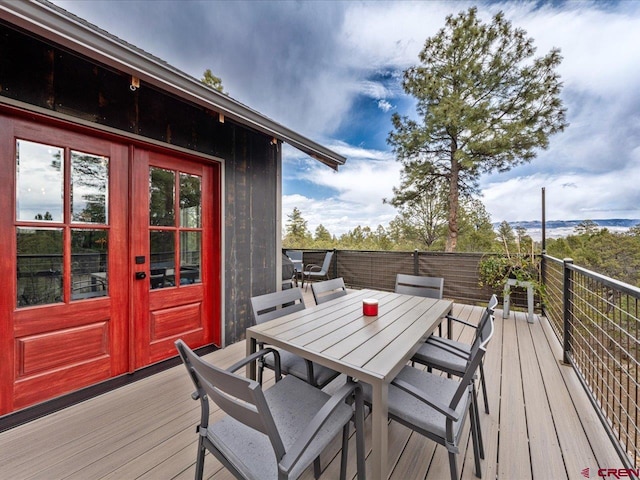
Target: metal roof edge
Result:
[[59, 26]]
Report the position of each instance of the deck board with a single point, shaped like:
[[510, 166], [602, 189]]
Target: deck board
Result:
[[541, 424]]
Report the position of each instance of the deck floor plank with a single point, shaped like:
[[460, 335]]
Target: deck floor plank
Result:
[[513, 452], [540, 419], [545, 462]]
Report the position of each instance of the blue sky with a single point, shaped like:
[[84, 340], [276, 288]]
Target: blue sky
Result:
[[331, 70]]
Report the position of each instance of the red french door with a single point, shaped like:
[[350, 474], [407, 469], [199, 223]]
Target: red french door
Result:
[[63, 222], [108, 254], [174, 254]]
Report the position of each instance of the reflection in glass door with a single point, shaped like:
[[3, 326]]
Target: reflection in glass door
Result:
[[175, 241], [51, 207]]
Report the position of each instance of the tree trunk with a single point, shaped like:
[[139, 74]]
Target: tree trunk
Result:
[[452, 237]]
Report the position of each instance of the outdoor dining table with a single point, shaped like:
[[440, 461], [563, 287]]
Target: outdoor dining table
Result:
[[371, 349]]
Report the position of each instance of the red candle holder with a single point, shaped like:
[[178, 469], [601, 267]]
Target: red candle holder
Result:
[[370, 307]]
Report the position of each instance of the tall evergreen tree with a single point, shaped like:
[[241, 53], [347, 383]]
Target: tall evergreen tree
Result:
[[485, 104]]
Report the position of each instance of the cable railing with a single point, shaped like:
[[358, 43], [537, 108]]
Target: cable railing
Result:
[[597, 320]]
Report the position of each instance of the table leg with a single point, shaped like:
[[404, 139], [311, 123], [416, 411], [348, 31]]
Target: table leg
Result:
[[379, 430], [251, 348]]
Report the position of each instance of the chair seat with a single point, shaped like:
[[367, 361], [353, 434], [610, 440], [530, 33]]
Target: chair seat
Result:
[[292, 364], [408, 409], [293, 403], [439, 356]]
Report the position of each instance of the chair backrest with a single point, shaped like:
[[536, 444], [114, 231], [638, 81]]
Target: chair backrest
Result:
[[484, 330], [478, 349], [327, 262], [493, 303], [294, 255], [277, 304], [237, 396], [431, 287], [328, 290]]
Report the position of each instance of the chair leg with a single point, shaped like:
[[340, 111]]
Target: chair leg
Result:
[[317, 470], [200, 459], [345, 452], [453, 466], [360, 436], [476, 412], [484, 389], [475, 438]]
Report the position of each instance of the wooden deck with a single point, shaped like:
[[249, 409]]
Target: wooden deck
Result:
[[541, 424]]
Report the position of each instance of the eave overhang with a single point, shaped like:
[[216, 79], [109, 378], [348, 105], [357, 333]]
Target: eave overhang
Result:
[[63, 28]]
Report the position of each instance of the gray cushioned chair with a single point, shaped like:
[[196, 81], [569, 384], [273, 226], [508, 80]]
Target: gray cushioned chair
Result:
[[450, 356], [328, 290], [275, 433], [316, 271], [436, 406], [431, 287], [275, 305]]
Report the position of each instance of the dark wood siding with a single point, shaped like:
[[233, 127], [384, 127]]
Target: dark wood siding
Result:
[[50, 77], [250, 223]]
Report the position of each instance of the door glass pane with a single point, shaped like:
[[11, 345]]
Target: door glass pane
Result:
[[89, 261], [161, 197], [39, 261], [190, 249], [89, 188], [40, 180], [190, 200], [163, 254]]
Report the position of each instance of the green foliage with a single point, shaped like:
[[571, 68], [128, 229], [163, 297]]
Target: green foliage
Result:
[[421, 224], [297, 233], [515, 259], [616, 255], [485, 104], [214, 82]]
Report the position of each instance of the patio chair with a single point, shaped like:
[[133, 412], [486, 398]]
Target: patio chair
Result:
[[316, 271], [328, 290], [450, 356], [275, 433], [296, 257], [431, 287], [437, 407], [275, 305]]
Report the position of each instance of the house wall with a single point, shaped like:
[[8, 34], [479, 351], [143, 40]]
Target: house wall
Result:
[[38, 74]]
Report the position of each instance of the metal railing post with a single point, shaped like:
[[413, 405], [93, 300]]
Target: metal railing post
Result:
[[335, 263], [566, 303], [416, 263]]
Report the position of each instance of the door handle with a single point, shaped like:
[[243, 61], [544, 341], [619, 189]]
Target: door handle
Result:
[[141, 275]]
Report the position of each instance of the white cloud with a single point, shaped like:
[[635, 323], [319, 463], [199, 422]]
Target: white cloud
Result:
[[384, 105], [306, 64]]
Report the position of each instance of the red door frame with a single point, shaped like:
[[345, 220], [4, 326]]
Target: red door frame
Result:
[[16, 322]]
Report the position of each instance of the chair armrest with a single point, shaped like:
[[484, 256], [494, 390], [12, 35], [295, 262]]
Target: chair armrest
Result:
[[311, 266], [423, 397], [441, 343], [255, 356], [306, 437], [451, 317]]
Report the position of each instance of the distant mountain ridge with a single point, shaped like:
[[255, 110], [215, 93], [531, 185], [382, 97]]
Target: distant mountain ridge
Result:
[[610, 222], [562, 228]]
